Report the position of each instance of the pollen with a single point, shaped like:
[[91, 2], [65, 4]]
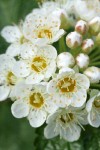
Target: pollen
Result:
[[97, 103], [11, 79], [67, 118], [36, 100], [66, 85], [38, 64], [45, 33], [23, 40]]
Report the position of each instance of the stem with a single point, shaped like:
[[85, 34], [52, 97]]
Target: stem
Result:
[[68, 145], [62, 45], [75, 52], [95, 59], [97, 86], [94, 54], [95, 64]]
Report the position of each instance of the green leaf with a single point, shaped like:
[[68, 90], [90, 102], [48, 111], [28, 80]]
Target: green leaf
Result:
[[15, 134]]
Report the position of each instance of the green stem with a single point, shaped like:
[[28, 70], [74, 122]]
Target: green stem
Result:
[[95, 59], [75, 52], [95, 64], [68, 145], [95, 53], [97, 86], [62, 45]]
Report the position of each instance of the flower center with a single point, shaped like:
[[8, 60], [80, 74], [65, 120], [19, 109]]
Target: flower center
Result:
[[67, 118], [66, 85], [36, 100], [45, 33], [11, 78], [97, 103], [38, 64], [23, 40]]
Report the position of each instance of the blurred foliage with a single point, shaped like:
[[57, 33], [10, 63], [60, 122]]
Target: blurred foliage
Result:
[[17, 134]]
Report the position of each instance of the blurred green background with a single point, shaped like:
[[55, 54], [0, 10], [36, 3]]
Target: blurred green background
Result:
[[17, 134]]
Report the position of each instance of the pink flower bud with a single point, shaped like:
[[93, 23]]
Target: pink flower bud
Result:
[[81, 27]]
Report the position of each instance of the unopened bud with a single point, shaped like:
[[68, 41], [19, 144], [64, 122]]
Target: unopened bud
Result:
[[64, 60], [82, 60], [94, 26], [73, 40], [87, 45], [93, 73], [81, 27]]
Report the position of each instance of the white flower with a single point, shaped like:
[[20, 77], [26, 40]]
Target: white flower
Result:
[[7, 78], [67, 123], [93, 109], [73, 40], [42, 28], [32, 102], [87, 9], [49, 7], [94, 26], [87, 45], [65, 59], [82, 60], [13, 35], [93, 73], [36, 63], [68, 7], [69, 88], [81, 27], [61, 9]]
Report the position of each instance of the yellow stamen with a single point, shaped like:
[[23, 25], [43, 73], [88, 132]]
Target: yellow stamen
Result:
[[38, 64], [36, 100], [66, 85]]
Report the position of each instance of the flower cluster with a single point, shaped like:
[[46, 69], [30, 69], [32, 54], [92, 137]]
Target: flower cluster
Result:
[[48, 84]]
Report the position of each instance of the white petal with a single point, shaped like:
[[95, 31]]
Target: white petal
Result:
[[51, 69], [48, 51], [37, 118], [11, 33], [66, 70], [22, 90], [34, 78], [89, 104], [6, 62], [60, 33], [40, 42], [83, 81], [2, 77], [52, 117], [94, 119], [51, 87], [20, 109], [27, 50], [21, 69], [79, 98], [51, 107], [66, 73], [4, 92], [49, 131], [71, 134], [13, 50]]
